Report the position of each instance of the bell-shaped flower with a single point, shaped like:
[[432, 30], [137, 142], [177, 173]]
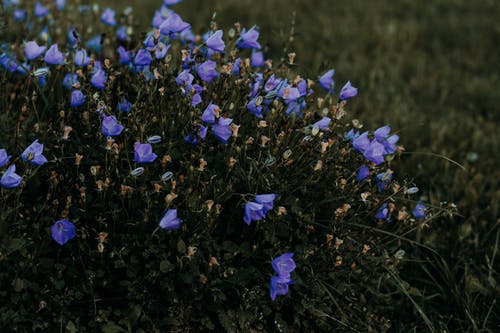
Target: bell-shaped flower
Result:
[[326, 81], [160, 50], [348, 91], [248, 39], [108, 17], [382, 133], [53, 56], [322, 124], [253, 212], [41, 10], [98, 79], [123, 105], [62, 231], [111, 126], [19, 15], [121, 34], [278, 286], [143, 153], [419, 211], [207, 71], [77, 98], [81, 58], [208, 115], [170, 220], [173, 23], [384, 179], [222, 130], [33, 51], [125, 57], [69, 80], [257, 59], [361, 142], [95, 43], [4, 158], [362, 173], [143, 58], [375, 152], [383, 213], [33, 154], [215, 42], [10, 179], [284, 265], [266, 200]]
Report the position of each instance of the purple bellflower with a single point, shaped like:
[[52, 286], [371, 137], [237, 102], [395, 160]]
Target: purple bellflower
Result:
[[108, 17], [384, 179], [208, 115], [143, 153], [248, 39], [323, 123], [4, 158], [170, 220], [53, 56], [95, 44], [143, 58], [278, 286], [121, 34], [184, 78], [222, 130], [111, 126], [33, 51], [62, 231], [383, 213], [419, 211], [19, 15], [284, 265], [60, 4], [10, 179], [81, 58], [98, 79], [363, 173], [41, 10], [374, 152], [69, 80], [123, 105], [326, 81], [33, 154], [171, 2], [215, 42], [77, 98], [173, 23], [207, 70], [266, 200], [257, 59], [124, 55], [348, 91], [253, 212]]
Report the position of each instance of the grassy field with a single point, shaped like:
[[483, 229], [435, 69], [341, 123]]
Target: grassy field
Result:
[[430, 70]]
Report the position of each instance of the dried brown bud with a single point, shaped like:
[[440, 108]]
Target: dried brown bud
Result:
[[209, 204], [282, 210], [66, 131], [291, 57], [235, 128], [170, 197], [318, 166], [249, 141], [202, 165], [232, 162], [264, 140]]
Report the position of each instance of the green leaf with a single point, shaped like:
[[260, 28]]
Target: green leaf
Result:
[[111, 327], [166, 266]]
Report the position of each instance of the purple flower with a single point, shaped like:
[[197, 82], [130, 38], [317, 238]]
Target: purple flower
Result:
[[382, 213], [254, 108], [323, 123], [207, 70], [279, 287], [40, 10], [196, 99], [121, 34], [419, 211], [123, 105], [248, 39], [381, 133], [184, 78], [266, 200], [284, 265], [160, 50], [208, 115], [363, 173], [33, 154], [111, 126], [4, 158], [235, 70], [143, 58], [257, 59], [375, 152], [53, 56], [326, 81], [384, 179], [10, 178], [222, 130], [81, 58], [170, 220], [98, 80], [125, 56], [108, 17], [32, 50], [19, 15], [173, 24], [215, 42], [95, 43], [271, 83], [253, 212], [348, 91], [171, 2], [60, 4], [8, 63], [196, 137], [77, 98], [62, 231], [69, 80], [361, 142], [143, 153], [390, 144]]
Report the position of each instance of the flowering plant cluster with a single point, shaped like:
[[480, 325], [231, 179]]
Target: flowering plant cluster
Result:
[[177, 131]]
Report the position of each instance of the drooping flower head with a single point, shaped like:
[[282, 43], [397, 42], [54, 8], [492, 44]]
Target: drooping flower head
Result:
[[143, 153], [81, 58], [326, 81], [53, 56], [111, 126], [383, 213], [170, 220], [419, 211], [363, 173], [173, 23], [125, 57], [62, 231], [4, 158], [207, 70], [143, 58], [253, 212], [98, 79], [215, 42], [108, 17], [209, 114], [322, 124], [278, 286], [348, 91], [266, 200], [284, 265], [248, 39], [222, 130], [41, 10], [33, 154], [10, 179], [123, 105], [384, 179], [77, 98], [70, 80], [33, 51], [257, 59]]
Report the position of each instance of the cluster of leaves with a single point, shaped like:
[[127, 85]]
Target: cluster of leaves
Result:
[[170, 130]]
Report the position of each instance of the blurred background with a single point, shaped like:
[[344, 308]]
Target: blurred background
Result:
[[430, 70]]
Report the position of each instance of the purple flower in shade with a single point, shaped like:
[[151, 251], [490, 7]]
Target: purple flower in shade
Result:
[[384, 179], [95, 43], [124, 55], [69, 80], [60, 4], [279, 287], [361, 142], [375, 152], [4, 158], [121, 34], [215, 42], [235, 70], [271, 83], [53, 56], [8, 63], [19, 15], [202, 133], [81, 58], [381, 133], [33, 51], [62, 231], [196, 100], [254, 108], [253, 212], [41, 10], [108, 17], [184, 78], [77, 98], [257, 59], [173, 24], [98, 79], [348, 91], [171, 2], [222, 130], [10, 178], [419, 211], [390, 144], [194, 138], [207, 70], [160, 50], [170, 220], [363, 173], [326, 81], [208, 115], [266, 200], [123, 105], [383, 213], [111, 126], [248, 39], [33, 154], [143, 58], [73, 36], [284, 265], [323, 123], [143, 153]]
